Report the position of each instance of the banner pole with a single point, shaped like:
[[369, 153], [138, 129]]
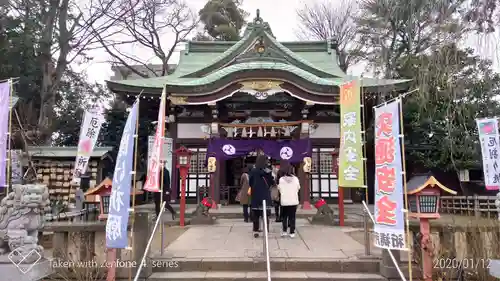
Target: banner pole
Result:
[[365, 159], [134, 184], [403, 160], [162, 229], [9, 138]]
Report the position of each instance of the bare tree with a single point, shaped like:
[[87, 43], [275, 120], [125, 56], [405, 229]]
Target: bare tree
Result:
[[328, 20], [145, 23], [61, 31]]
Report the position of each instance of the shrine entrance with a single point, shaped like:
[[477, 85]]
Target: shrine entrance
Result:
[[237, 155]]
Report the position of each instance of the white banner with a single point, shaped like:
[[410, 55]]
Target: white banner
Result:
[[89, 132], [154, 166], [166, 152], [489, 139]]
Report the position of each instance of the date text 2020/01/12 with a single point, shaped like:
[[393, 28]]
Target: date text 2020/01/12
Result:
[[446, 263]]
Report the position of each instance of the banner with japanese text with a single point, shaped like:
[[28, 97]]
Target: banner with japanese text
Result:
[[89, 132], [351, 166], [389, 228], [153, 183], [489, 139], [166, 152], [119, 201]]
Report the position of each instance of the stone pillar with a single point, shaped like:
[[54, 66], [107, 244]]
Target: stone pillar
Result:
[[87, 245], [387, 268], [60, 243], [142, 231], [447, 241]]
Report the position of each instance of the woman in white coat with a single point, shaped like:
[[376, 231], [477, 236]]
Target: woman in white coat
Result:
[[288, 187]]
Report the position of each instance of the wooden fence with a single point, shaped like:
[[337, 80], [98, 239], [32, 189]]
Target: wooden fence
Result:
[[479, 206]]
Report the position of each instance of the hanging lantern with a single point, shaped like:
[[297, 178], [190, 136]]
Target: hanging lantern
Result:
[[212, 164], [244, 133], [307, 164], [273, 132]]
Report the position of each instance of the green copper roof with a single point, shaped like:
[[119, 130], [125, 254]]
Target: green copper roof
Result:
[[204, 63], [159, 82], [248, 42]]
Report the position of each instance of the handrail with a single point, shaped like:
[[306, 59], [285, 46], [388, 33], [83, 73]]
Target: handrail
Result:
[[266, 240], [396, 265], [143, 260]]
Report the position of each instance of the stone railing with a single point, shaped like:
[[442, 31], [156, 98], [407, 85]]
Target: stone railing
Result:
[[89, 214], [469, 205], [84, 243], [465, 250]]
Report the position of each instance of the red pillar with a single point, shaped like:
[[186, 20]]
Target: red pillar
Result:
[[183, 172], [426, 245], [341, 206]]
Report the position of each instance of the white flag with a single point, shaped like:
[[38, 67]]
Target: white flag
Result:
[[154, 165], [89, 132], [490, 150]]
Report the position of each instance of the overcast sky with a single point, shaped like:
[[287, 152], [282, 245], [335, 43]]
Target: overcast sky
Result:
[[281, 16]]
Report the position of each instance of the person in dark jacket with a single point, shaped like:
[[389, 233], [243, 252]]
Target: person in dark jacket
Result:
[[166, 195], [261, 180]]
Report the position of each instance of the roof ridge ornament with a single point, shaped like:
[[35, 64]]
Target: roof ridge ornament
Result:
[[258, 19]]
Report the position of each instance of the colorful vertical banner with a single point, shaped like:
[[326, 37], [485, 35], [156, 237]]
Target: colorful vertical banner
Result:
[[119, 201], [351, 168], [89, 132], [389, 205], [489, 139], [5, 88], [154, 164]]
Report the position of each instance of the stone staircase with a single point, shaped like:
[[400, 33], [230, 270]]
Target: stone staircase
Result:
[[289, 269]]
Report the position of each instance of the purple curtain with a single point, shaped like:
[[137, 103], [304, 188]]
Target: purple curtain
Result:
[[291, 150]]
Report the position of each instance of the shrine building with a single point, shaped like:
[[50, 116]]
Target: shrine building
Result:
[[256, 88]]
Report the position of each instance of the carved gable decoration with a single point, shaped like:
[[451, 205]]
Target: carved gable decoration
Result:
[[261, 49], [261, 89]]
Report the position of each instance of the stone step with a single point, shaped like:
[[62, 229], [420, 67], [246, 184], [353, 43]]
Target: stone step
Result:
[[280, 264], [262, 276], [167, 219]]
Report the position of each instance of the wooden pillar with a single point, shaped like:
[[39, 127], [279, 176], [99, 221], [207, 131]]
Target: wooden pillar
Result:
[[215, 183], [172, 129], [305, 181]]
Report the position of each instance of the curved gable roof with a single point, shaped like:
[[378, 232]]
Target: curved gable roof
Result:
[[249, 39]]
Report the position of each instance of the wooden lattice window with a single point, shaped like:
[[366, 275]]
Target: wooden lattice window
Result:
[[325, 162], [193, 165], [202, 168], [198, 175], [323, 180], [314, 158]]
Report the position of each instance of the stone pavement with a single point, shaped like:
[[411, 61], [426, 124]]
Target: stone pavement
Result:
[[233, 238]]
